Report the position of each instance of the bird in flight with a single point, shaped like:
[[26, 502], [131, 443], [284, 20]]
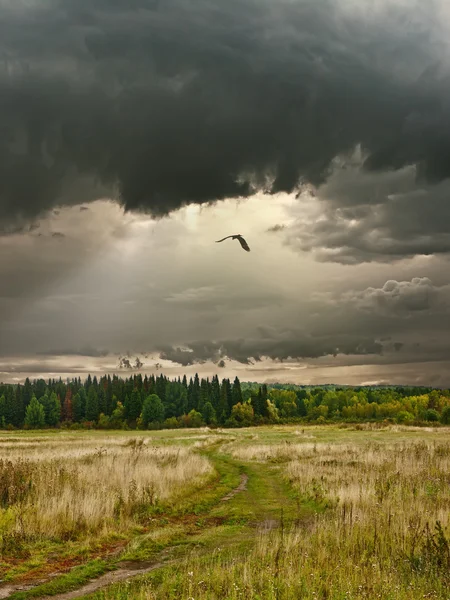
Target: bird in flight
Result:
[[236, 237]]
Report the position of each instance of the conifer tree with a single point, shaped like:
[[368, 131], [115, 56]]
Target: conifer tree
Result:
[[19, 410], [209, 414], [92, 412], [133, 405], [225, 401], [67, 408], [215, 393], [203, 395], [27, 393], [34, 414], [54, 412], [9, 406], [78, 407], [236, 393], [3, 411]]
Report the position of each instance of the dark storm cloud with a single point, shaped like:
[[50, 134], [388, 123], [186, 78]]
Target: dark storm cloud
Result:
[[276, 344], [180, 101], [380, 217]]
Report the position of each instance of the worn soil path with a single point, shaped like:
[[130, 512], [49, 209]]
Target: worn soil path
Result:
[[257, 504]]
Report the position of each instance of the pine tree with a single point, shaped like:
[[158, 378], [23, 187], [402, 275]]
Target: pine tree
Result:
[[236, 393], [262, 401], [92, 412], [78, 407], [3, 411], [255, 401], [35, 415], [109, 397], [215, 393], [225, 401], [45, 401], [160, 388], [209, 414], [9, 406], [27, 393], [54, 414], [67, 408], [203, 395], [19, 410], [194, 396], [101, 399], [133, 405]]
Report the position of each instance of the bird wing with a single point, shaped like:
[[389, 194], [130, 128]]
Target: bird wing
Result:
[[225, 238], [244, 243]]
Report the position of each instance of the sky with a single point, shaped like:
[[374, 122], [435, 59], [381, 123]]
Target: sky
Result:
[[136, 133]]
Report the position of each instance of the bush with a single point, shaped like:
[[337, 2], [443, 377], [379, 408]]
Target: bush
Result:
[[431, 415], [404, 417], [445, 417]]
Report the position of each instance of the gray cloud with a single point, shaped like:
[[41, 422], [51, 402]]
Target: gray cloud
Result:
[[165, 103], [277, 344], [404, 298], [276, 228], [85, 351], [362, 216]]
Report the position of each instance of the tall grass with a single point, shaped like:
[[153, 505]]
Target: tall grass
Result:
[[67, 489], [381, 529]]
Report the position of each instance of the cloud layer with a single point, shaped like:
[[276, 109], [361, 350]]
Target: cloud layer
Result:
[[168, 102]]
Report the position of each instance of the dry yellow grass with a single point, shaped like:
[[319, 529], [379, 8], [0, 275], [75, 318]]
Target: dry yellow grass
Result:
[[71, 486]]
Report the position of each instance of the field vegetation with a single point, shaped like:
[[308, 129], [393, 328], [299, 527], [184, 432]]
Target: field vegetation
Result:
[[328, 512]]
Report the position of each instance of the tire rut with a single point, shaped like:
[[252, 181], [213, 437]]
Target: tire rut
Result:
[[126, 570]]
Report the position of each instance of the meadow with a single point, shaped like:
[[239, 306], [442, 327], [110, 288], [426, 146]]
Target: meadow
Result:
[[328, 512]]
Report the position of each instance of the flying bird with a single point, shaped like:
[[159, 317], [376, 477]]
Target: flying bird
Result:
[[236, 237]]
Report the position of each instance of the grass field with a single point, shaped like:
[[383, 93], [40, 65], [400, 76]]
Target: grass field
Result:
[[321, 512]]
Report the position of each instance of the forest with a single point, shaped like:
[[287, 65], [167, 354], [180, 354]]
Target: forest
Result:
[[153, 402]]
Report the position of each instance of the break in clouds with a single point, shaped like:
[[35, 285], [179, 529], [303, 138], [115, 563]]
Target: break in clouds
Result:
[[331, 116]]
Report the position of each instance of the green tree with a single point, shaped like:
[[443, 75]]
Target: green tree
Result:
[[133, 405], [224, 410], [9, 406], [193, 393], [176, 399], [236, 393], [431, 415], [2, 411], [445, 416], [204, 395], [117, 419], [301, 406], [92, 412], [242, 414], [192, 419], [209, 414], [35, 414], [19, 410], [79, 405], [152, 410], [215, 393], [54, 413]]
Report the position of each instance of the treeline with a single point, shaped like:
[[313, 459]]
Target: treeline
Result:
[[155, 402]]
